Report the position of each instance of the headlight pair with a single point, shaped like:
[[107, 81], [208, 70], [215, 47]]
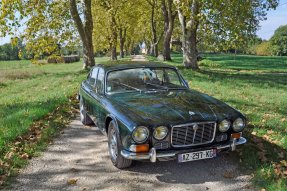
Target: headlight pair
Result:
[[141, 133], [237, 125]]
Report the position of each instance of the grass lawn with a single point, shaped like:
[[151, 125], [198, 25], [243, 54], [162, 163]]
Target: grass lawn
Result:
[[30, 92], [257, 86]]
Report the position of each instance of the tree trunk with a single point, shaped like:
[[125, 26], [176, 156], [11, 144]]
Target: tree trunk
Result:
[[85, 30], [113, 47], [154, 44], [122, 36], [189, 32], [113, 53], [169, 16]]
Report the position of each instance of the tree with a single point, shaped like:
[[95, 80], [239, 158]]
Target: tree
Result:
[[85, 29], [169, 14], [46, 19], [263, 49], [155, 38], [9, 52], [230, 22], [278, 41]]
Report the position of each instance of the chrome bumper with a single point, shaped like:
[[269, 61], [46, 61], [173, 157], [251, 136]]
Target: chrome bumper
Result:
[[152, 155]]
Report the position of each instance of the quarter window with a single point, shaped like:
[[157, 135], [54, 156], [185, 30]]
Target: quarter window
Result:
[[93, 76], [100, 81]]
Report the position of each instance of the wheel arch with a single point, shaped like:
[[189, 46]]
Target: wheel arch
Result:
[[110, 118]]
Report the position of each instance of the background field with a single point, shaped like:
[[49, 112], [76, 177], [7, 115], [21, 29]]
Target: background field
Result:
[[257, 86]]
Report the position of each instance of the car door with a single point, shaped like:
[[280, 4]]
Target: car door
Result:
[[89, 88], [100, 112]]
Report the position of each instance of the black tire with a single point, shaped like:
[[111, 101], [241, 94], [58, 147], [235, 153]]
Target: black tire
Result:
[[115, 148], [85, 119]]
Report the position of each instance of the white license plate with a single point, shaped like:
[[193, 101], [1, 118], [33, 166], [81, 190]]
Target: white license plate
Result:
[[199, 155]]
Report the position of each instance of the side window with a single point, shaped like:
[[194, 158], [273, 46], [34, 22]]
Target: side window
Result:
[[100, 81], [93, 76], [172, 77]]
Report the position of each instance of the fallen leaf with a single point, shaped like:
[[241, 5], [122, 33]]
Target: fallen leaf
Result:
[[253, 133], [24, 156], [72, 181], [8, 155]]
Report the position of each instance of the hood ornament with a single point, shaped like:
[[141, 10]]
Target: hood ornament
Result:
[[191, 113]]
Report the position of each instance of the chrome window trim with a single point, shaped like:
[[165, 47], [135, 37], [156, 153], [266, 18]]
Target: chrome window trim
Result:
[[185, 86], [189, 124]]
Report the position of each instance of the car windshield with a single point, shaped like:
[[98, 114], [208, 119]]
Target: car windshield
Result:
[[143, 79]]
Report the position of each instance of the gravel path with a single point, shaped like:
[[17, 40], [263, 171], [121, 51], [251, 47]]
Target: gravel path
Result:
[[138, 58], [79, 160]]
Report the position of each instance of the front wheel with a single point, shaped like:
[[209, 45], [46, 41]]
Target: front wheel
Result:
[[115, 148]]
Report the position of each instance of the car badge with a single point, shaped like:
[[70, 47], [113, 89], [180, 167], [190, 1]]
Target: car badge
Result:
[[195, 127], [191, 113]]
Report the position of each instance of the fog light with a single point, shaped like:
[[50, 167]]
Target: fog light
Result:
[[139, 148], [221, 137], [236, 135]]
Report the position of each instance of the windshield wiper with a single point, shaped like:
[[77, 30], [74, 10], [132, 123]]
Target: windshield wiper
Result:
[[157, 85], [131, 87]]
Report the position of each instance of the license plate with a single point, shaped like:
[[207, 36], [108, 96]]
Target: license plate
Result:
[[199, 155]]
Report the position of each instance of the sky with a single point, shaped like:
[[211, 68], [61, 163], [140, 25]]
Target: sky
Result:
[[275, 18]]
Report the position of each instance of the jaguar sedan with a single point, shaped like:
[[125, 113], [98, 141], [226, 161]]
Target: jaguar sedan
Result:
[[148, 112]]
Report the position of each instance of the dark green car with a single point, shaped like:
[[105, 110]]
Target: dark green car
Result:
[[148, 112]]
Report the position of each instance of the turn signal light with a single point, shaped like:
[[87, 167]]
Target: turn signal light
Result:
[[236, 135], [139, 148]]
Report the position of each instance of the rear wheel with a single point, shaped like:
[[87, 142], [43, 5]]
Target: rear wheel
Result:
[[115, 148], [85, 119]]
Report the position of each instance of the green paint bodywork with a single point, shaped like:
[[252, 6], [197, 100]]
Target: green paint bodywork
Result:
[[152, 109]]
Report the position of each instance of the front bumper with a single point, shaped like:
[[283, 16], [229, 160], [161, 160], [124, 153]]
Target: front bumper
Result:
[[153, 155]]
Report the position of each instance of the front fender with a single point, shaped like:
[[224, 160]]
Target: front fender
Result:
[[124, 131]]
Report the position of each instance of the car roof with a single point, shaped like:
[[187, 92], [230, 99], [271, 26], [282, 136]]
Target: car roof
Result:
[[108, 66]]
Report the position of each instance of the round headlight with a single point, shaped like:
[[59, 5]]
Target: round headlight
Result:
[[160, 132], [140, 134], [238, 124], [224, 125]]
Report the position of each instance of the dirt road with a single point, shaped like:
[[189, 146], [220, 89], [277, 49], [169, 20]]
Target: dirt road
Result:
[[79, 160]]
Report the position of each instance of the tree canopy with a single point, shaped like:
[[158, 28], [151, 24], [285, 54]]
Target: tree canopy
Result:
[[120, 25], [279, 41]]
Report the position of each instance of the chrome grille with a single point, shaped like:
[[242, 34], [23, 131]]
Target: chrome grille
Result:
[[193, 134]]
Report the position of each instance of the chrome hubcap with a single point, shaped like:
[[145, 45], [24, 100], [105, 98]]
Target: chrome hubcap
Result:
[[113, 146]]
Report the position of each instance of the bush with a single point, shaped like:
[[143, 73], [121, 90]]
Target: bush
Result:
[[263, 49], [55, 59], [72, 58]]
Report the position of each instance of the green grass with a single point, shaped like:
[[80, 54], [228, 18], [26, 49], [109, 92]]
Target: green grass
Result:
[[250, 84], [28, 92], [32, 94]]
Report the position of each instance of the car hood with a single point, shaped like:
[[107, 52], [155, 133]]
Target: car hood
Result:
[[172, 107]]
